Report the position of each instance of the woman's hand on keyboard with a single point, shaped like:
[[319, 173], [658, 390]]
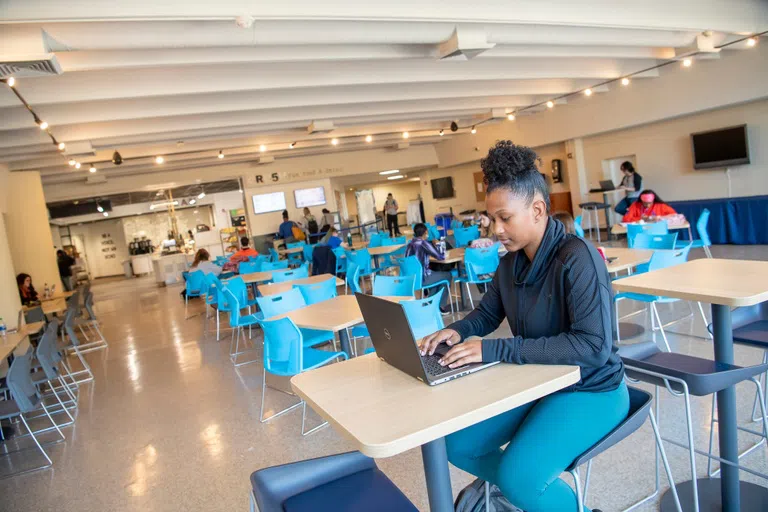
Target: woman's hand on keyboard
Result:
[[430, 343]]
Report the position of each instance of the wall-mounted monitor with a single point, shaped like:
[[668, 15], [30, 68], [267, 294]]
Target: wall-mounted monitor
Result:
[[272, 202], [442, 188], [720, 148], [306, 197]]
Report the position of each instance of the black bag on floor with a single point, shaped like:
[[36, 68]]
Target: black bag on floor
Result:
[[472, 499]]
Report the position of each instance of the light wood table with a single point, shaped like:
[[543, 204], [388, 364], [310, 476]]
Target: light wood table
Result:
[[626, 259], [336, 314], [58, 295], [384, 412], [49, 307], [724, 284], [457, 255], [275, 288], [621, 229], [292, 250], [260, 277], [384, 249], [13, 339]]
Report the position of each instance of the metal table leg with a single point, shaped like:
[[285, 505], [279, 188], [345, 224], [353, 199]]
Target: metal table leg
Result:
[[438, 477], [344, 341]]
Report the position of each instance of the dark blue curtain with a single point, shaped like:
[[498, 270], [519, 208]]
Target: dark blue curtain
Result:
[[739, 220]]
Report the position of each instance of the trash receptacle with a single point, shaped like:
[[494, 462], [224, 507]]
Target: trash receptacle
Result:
[[128, 268], [443, 222]]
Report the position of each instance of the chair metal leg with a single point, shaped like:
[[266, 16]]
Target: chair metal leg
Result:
[[579, 496], [691, 451], [708, 252], [704, 319], [303, 421], [618, 329], [262, 419], [39, 447], [487, 496], [764, 381], [469, 294], [663, 334]]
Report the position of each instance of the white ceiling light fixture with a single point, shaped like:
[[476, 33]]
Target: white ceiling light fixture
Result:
[[201, 195], [368, 138], [165, 204], [625, 81], [398, 177], [11, 81], [587, 92], [751, 42], [159, 159], [511, 117], [99, 208], [687, 63], [43, 125], [62, 146], [92, 169], [473, 130], [221, 155], [72, 162], [335, 142], [77, 165], [393, 171], [291, 145], [192, 201], [406, 135], [262, 148], [442, 132], [550, 104], [105, 214]]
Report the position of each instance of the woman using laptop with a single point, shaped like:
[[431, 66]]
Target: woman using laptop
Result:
[[554, 290], [632, 183]]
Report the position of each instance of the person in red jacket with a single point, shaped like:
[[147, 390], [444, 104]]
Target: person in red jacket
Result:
[[648, 207]]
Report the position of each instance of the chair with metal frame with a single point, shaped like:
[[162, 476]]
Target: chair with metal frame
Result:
[[655, 242], [341, 260], [74, 345], [704, 242], [465, 236], [411, 266], [237, 322], [394, 286], [49, 357], [479, 262], [286, 354], [301, 272], [195, 286], [274, 256], [281, 303], [317, 292], [363, 260], [274, 265], [249, 267], [652, 228]]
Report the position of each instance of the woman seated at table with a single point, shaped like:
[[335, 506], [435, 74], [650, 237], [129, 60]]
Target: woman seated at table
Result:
[[202, 262], [332, 239], [648, 207], [555, 292], [26, 290]]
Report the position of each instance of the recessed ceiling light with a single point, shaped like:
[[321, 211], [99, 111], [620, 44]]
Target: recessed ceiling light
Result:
[[587, 92], [335, 142], [72, 162], [368, 138], [159, 159], [625, 81], [398, 177], [687, 63], [393, 171], [511, 117], [550, 104], [77, 165]]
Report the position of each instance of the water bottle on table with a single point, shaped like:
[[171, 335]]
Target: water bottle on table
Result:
[[3, 328]]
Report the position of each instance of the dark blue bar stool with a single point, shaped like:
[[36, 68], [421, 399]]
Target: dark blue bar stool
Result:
[[339, 483]]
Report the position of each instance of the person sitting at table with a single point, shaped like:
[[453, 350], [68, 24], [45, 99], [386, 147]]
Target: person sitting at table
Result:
[[332, 239], [26, 290], [555, 292], [424, 250], [632, 183], [202, 262], [244, 252], [649, 207]]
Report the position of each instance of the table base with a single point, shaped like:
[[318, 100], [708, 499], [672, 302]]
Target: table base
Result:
[[438, 476], [629, 330], [754, 498]]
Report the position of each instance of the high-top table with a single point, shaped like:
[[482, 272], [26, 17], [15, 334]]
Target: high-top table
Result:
[[724, 284], [627, 259], [384, 412], [275, 288]]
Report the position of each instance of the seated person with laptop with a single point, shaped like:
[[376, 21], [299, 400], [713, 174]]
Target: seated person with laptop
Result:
[[555, 291]]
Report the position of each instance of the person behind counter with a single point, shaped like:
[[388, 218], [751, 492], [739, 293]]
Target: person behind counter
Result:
[[648, 207], [285, 231], [202, 263], [65, 263], [26, 290]]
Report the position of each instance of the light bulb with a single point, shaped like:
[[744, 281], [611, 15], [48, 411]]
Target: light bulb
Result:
[[43, 125], [473, 130], [106, 214], [11, 82], [511, 117], [368, 138], [687, 63], [292, 145], [550, 104], [62, 146], [262, 148], [587, 92], [192, 201], [625, 81], [442, 132], [77, 165], [92, 169], [159, 159], [335, 142], [221, 155], [752, 41], [406, 135], [71, 162], [99, 208], [201, 195]]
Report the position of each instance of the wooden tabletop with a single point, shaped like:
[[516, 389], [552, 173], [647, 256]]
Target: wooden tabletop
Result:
[[275, 288], [331, 315], [385, 412], [725, 282], [626, 258], [58, 295], [384, 249], [260, 277], [292, 250], [621, 229], [50, 307], [13, 339]]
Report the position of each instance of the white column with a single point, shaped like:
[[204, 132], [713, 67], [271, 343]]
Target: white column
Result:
[[10, 303], [576, 168]]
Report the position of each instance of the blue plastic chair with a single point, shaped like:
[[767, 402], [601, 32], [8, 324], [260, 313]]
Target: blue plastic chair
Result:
[[375, 240], [286, 354], [398, 240], [237, 322], [291, 275], [393, 286], [196, 286], [704, 241], [479, 262], [341, 260], [259, 258], [274, 256], [411, 266], [220, 260], [249, 267], [352, 277], [659, 260], [281, 303], [318, 292], [363, 260], [240, 289], [274, 265], [308, 250], [296, 257], [655, 242], [433, 233], [215, 299], [578, 227], [654, 228], [464, 236]]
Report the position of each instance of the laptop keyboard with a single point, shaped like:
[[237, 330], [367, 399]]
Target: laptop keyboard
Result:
[[432, 366]]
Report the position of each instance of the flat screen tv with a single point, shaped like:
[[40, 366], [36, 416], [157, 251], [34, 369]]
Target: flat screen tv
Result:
[[720, 148], [442, 188], [309, 196], [265, 203]]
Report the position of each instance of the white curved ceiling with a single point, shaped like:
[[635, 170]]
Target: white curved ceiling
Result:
[[140, 75]]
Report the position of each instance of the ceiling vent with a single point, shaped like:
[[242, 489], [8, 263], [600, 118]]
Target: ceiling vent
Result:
[[266, 159], [46, 65], [465, 43], [320, 127], [30, 53]]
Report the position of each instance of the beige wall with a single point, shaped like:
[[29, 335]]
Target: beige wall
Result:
[[463, 186], [402, 192], [29, 233], [105, 246], [547, 154], [10, 303]]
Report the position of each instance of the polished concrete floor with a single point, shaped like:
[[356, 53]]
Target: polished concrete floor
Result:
[[170, 425]]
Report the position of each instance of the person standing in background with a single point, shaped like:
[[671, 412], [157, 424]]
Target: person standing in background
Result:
[[285, 231], [65, 263], [632, 183], [390, 209], [327, 221]]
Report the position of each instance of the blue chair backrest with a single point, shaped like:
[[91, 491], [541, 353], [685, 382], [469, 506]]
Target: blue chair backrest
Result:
[[393, 286], [433, 233], [391, 241], [249, 267], [47, 353], [234, 305], [293, 245], [308, 252], [577, 226], [259, 258], [353, 277], [283, 342], [341, 259], [424, 315], [196, 283], [481, 260], [318, 292], [411, 266], [237, 286], [362, 258], [701, 227], [274, 256], [290, 275], [20, 383], [456, 223], [375, 240], [664, 259], [220, 260], [654, 228], [274, 265], [464, 236], [662, 242], [398, 240], [213, 284], [279, 303]]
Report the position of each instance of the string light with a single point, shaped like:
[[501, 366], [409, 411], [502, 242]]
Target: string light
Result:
[[77, 165], [335, 142], [71, 162], [221, 155], [105, 214], [473, 130], [752, 41], [99, 208], [262, 148], [550, 104], [511, 117], [587, 92], [92, 169], [687, 63], [159, 159], [43, 125], [62, 146], [406, 135], [292, 145], [368, 138], [11, 81], [442, 132], [625, 81]]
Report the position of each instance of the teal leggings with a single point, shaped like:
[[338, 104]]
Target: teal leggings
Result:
[[544, 438]]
